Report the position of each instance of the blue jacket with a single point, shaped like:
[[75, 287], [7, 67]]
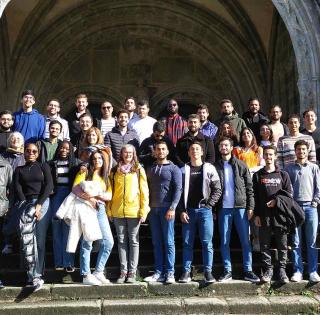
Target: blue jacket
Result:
[[31, 125], [165, 185]]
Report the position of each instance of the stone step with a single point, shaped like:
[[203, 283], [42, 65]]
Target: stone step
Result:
[[190, 305], [140, 290]]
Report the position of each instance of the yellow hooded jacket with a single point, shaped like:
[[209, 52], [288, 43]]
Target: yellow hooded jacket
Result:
[[130, 194]]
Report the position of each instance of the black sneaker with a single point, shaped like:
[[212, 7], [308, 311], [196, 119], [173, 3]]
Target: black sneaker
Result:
[[266, 276], [250, 276], [185, 277], [208, 277], [283, 278], [227, 276]]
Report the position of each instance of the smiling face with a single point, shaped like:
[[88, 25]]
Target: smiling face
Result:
[[123, 120], [254, 107], [6, 121], [247, 136], [92, 137], [97, 161], [53, 108], [81, 104], [310, 118], [27, 102], [225, 147], [106, 109], [143, 111], [195, 151], [193, 125], [31, 152], [130, 105], [301, 152], [269, 156], [265, 132], [16, 142], [64, 150], [127, 155], [203, 114], [85, 123], [293, 125], [54, 130], [161, 151]]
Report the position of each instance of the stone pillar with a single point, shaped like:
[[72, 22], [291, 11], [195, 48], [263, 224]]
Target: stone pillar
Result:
[[302, 21]]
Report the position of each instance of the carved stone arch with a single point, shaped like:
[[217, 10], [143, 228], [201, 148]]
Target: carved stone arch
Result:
[[190, 34]]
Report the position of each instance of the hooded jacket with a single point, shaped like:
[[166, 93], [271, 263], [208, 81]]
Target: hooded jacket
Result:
[[130, 194], [254, 123], [31, 125], [237, 123]]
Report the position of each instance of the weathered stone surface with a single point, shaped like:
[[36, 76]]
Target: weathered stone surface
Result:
[[70, 308], [293, 304], [200, 305], [18, 294], [248, 305], [175, 289], [141, 307], [83, 292]]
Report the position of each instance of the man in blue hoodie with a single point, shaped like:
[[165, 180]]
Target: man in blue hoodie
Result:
[[165, 185], [28, 121]]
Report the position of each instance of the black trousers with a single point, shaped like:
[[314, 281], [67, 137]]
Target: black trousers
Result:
[[280, 237]]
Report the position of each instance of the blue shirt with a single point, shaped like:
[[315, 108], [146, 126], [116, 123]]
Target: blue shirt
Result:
[[209, 129]]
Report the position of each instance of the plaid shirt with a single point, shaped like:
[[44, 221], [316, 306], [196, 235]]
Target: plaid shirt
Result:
[[176, 127]]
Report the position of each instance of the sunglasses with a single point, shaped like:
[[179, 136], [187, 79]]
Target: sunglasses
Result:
[[31, 151], [107, 107], [173, 105]]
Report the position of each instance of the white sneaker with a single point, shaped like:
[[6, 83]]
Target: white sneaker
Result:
[[90, 279], [156, 277], [297, 277], [37, 284], [314, 277], [101, 277], [7, 249], [170, 278]]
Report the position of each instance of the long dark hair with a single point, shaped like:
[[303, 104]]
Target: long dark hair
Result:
[[253, 144], [233, 134], [71, 157], [259, 138], [105, 167]]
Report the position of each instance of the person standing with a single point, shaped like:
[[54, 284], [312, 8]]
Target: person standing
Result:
[[32, 187], [279, 129], [130, 106], [236, 206], [121, 135], [143, 125], [28, 121], [176, 126], [311, 129], [48, 147], [6, 123], [201, 192], [128, 208], [267, 184], [305, 179], [194, 134], [107, 122], [208, 128], [165, 184], [53, 110], [285, 147]]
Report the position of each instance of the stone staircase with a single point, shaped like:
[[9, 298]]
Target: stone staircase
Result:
[[64, 294]]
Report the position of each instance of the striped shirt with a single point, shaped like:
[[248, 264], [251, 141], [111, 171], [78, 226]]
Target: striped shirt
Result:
[[107, 125], [286, 153], [176, 127], [62, 173]]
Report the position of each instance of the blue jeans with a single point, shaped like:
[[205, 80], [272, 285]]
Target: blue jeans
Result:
[[310, 232], [106, 245], [239, 216], [203, 219], [162, 232], [60, 230]]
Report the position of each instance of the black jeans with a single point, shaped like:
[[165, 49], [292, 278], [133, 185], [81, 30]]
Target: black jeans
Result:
[[265, 235]]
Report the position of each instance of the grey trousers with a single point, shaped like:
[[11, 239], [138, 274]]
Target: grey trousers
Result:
[[128, 243]]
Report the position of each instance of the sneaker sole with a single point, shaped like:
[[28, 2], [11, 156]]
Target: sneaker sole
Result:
[[225, 280], [185, 281], [251, 280]]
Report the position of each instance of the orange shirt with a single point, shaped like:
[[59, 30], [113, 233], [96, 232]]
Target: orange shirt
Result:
[[248, 156]]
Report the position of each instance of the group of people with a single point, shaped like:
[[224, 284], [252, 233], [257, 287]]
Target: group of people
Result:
[[83, 173]]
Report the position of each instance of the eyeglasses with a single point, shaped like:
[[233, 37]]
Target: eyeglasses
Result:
[[31, 151], [107, 107]]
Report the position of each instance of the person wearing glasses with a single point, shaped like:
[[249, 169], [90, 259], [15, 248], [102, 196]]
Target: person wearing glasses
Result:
[[32, 187], [53, 110], [107, 122]]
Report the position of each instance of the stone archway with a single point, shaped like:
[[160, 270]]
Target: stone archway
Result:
[[302, 21]]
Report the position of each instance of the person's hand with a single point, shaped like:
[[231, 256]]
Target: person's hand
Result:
[[184, 217], [257, 221], [38, 212], [86, 196], [170, 215], [271, 203], [83, 169], [93, 202], [142, 220], [249, 214]]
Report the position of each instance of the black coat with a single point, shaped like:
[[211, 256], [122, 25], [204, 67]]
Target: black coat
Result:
[[243, 190]]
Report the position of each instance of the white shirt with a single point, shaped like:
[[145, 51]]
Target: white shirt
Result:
[[64, 135], [142, 126], [228, 191]]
